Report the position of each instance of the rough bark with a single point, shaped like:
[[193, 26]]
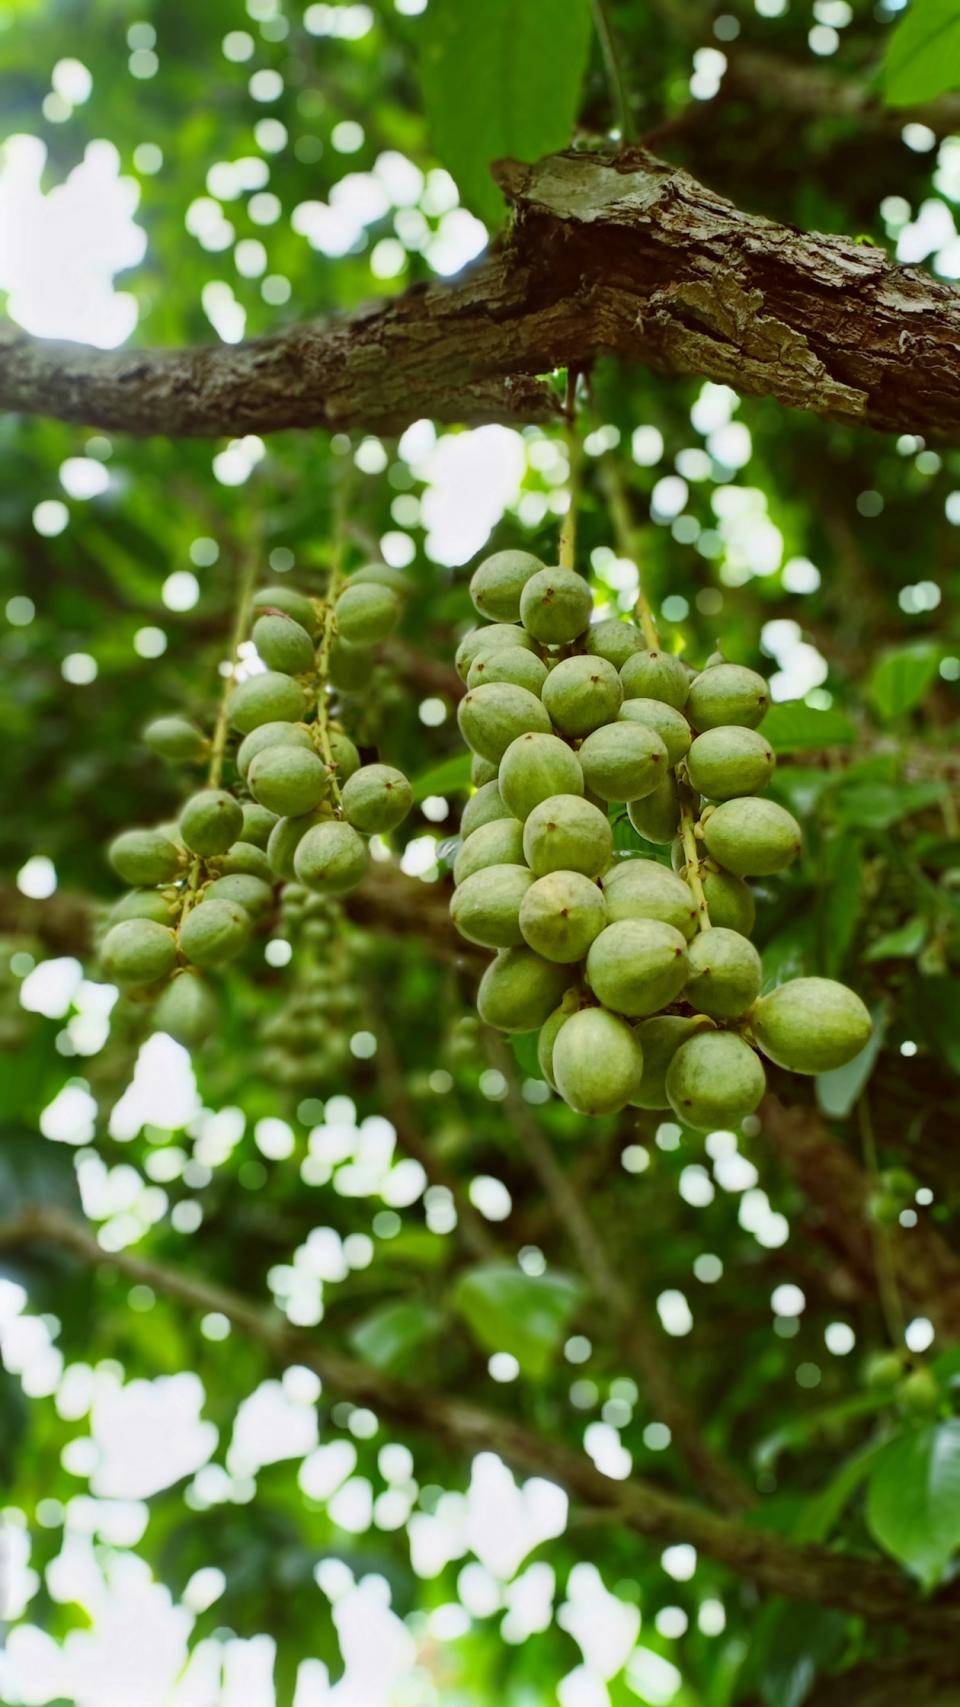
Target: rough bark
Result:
[[617, 254]]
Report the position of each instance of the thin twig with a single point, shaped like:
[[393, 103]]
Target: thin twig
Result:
[[567, 554], [616, 83], [628, 543]]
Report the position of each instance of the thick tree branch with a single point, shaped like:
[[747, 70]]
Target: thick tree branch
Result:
[[608, 254], [860, 1586]]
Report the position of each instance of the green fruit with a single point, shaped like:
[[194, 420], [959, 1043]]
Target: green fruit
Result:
[[642, 889], [637, 966], [484, 807], [547, 1039], [271, 735], [623, 761], [269, 697], [496, 585], [811, 1025], [366, 613], [752, 837], [565, 833], [555, 606], [533, 768], [380, 575], [210, 821], [883, 1369], [288, 780], [482, 771], [714, 1081], [669, 723], [257, 823], [349, 666], [655, 675], [144, 857], [486, 907], [519, 990], [730, 760], [498, 843], [251, 893], [657, 815], [659, 1038], [344, 754], [727, 693], [725, 973], [331, 858], [214, 931], [561, 914], [283, 644], [175, 739], [513, 664], [597, 1062], [376, 799], [246, 860], [730, 902], [144, 904], [614, 640], [492, 716], [187, 1010], [291, 603], [484, 642], [285, 838], [581, 694], [920, 1393], [137, 952]]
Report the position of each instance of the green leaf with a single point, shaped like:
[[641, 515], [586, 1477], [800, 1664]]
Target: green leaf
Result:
[[938, 1003], [524, 1046], [389, 1336], [913, 1499], [877, 805], [923, 53], [842, 900], [799, 1640], [837, 1092], [525, 1314], [501, 78], [793, 727], [450, 777], [900, 679], [902, 944]]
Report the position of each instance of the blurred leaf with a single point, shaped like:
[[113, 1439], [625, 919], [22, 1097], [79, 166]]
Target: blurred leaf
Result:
[[899, 680], [902, 944], [799, 1641], [793, 727], [524, 1314], [913, 1499], [837, 1092], [450, 777], [388, 1337], [937, 1006], [877, 805], [524, 1046], [923, 53], [841, 901]]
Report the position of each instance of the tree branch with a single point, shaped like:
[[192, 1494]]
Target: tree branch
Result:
[[608, 254]]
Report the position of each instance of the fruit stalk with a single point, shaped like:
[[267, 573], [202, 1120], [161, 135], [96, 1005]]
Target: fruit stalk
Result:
[[327, 628], [692, 853], [568, 531], [625, 535]]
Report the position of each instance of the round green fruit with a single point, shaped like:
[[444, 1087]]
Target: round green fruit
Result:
[[637, 966], [729, 901], [251, 893], [614, 640], [581, 694], [484, 807], [269, 697], [555, 606], [345, 757], [498, 843], [366, 613], [331, 858], [727, 693], [655, 675], [920, 1393], [175, 739], [752, 837], [623, 761], [519, 990], [728, 761], [257, 823], [214, 931], [144, 904], [534, 767], [376, 798], [561, 914], [137, 952], [285, 838], [666, 721], [547, 1039], [380, 575], [245, 859], [291, 603], [811, 1025], [725, 973], [597, 1062], [566, 833], [271, 735], [657, 815], [492, 716], [513, 664], [496, 585], [643, 889], [349, 667], [714, 1081], [187, 1010], [288, 780], [484, 642], [144, 857], [486, 907], [283, 644], [211, 821], [659, 1038], [481, 770]]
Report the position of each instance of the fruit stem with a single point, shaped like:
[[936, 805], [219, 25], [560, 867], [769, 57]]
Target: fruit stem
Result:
[[327, 629], [887, 1288], [692, 868], [627, 540], [613, 69], [567, 553]]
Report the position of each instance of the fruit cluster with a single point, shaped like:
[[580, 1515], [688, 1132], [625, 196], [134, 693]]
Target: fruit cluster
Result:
[[306, 1037], [642, 980], [300, 805]]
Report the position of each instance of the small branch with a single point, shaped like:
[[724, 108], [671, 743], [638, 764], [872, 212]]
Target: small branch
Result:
[[613, 67], [628, 544]]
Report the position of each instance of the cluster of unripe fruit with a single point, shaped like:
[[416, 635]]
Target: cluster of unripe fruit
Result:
[[301, 806], [642, 981], [306, 1036]]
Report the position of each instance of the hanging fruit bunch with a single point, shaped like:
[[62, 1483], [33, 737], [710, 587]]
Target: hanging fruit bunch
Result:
[[642, 981], [306, 1037]]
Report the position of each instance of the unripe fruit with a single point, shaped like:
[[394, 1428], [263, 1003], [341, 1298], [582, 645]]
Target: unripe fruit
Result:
[[920, 1394], [752, 837], [331, 858], [565, 833], [729, 901], [669, 723], [144, 904], [283, 644], [725, 973], [376, 798], [288, 780], [519, 990], [366, 613], [484, 642], [349, 666], [498, 843], [659, 1038], [344, 754], [291, 603], [637, 966], [597, 1062], [187, 1010], [729, 760], [486, 907], [266, 698], [555, 606], [175, 739], [144, 857], [496, 586], [492, 716], [623, 761], [581, 694], [547, 1039], [257, 823], [210, 821], [714, 1080], [243, 859], [513, 664], [137, 952], [380, 575], [655, 675], [285, 838], [484, 807], [213, 932], [657, 815], [613, 640], [482, 770], [271, 735], [883, 1369], [561, 914], [642, 889], [811, 1025], [251, 893], [727, 693], [533, 768]]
